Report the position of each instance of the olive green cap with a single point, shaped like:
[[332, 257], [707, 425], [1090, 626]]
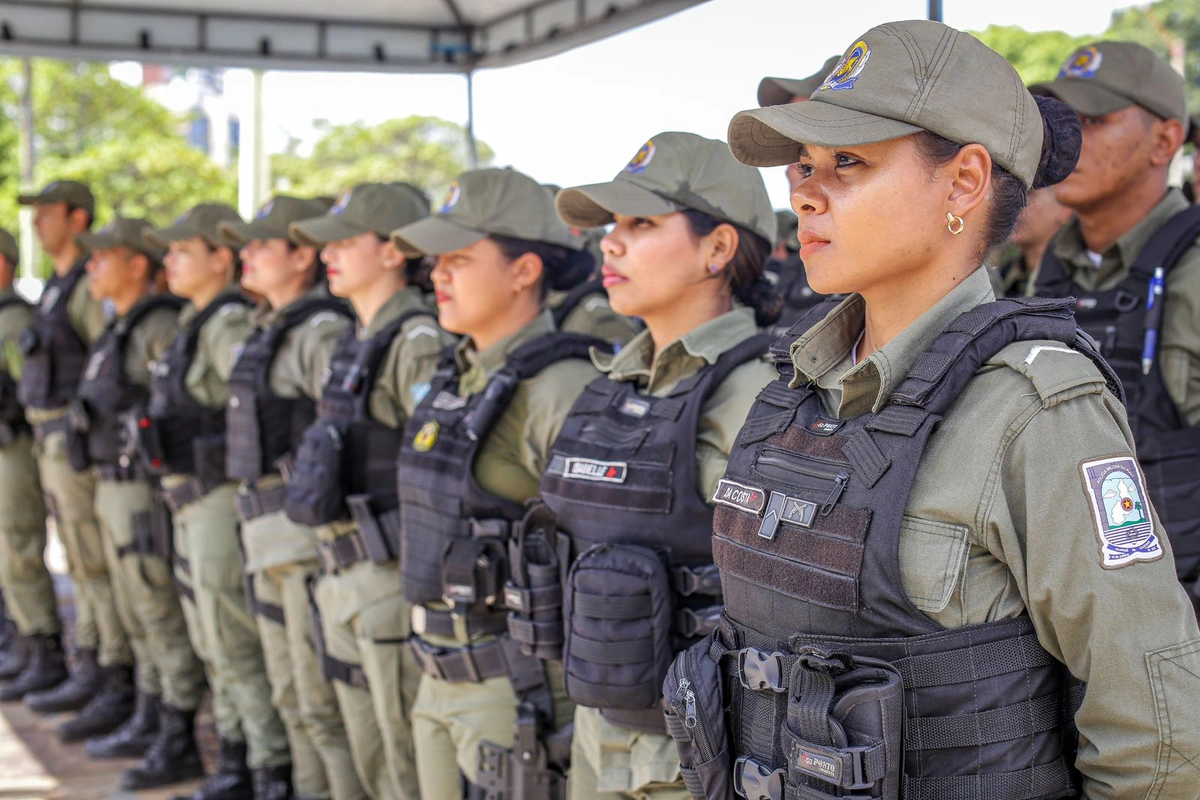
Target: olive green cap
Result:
[[377, 208], [73, 193], [787, 224], [8, 248], [271, 221], [670, 173], [1108, 76], [898, 79], [200, 221], [778, 91], [482, 202], [123, 232]]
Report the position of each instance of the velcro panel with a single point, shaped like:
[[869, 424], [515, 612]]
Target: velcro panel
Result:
[[778, 394], [972, 323], [803, 545], [900, 420], [760, 428], [868, 460], [931, 367], [797, 440], [790, 578]]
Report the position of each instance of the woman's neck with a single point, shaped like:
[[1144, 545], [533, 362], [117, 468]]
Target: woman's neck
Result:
[[374, 297], [683, 317], [518, 315], [286, 295], [203, 298], [892, 307]]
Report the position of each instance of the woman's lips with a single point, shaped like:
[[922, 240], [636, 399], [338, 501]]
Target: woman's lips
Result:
[[610, 277], [811, 243]]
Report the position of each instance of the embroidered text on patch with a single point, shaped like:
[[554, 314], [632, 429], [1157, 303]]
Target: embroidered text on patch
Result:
[[1117, 495], [740, 496], [585, 469]]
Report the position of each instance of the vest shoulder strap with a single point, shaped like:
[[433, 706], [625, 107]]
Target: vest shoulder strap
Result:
[[1169, 243], [532, 357], [373, 349], [215, 307], [309, 307], [574, 297], [145, 307]]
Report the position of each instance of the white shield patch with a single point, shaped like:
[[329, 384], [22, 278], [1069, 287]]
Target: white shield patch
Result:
[[1116, 494]]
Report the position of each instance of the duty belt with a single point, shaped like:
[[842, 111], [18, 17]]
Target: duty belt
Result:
[[43, 429], [443, 622], [471, 664], [377, 538], [118, 473], [188, 492], [253, 503]]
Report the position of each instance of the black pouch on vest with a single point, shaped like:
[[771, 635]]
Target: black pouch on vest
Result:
[[473, 571], [315, 492], [845, 721], [533, 594], [694, 709], [78, 422], [618, 627], [208, 453]]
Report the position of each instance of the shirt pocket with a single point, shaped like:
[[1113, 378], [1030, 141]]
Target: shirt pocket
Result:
[[932, 555], [1173, 678]]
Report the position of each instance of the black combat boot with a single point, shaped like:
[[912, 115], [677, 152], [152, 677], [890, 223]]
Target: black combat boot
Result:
[[86, 681], [134, 737], [46, 668], [173, 756], [231, 781], [273, 783], [14, 659], [106, 711]]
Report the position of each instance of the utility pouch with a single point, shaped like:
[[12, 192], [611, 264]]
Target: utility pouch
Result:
[[845, 717], [208, 459], [473, 571], [617, 609], [694, 709], [533, 593], [315, 490]]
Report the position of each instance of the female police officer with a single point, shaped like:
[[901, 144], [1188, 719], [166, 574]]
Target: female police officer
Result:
[[472, 456], [644, 448], [944, 523]]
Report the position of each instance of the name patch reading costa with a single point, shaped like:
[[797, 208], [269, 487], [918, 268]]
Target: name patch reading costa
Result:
[[743, 498]]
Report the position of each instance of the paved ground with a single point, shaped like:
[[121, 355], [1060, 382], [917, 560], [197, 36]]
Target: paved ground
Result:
[[34, 765]]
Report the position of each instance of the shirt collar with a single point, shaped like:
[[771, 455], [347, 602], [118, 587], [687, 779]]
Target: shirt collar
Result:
[[1070, 247], [822, 354], [493, 358], [680, 359]]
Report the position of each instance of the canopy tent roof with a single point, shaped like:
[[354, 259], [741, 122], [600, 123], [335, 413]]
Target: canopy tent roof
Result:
[[454, 36]]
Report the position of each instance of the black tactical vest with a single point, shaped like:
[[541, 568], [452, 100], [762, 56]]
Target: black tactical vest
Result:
[[572, 299], [1168, 448], [454, 534], [264, 427], [806, 536], [798, 296], [106, 392], [178, 434], [345, 452], [621, 482], [55, 355], [12, 415]]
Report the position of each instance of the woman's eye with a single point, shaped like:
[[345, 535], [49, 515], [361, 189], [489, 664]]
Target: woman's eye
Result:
[[639, 222], [803, 170], [846, 161]]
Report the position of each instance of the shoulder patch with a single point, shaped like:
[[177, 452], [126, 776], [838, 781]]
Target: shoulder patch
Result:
[[230, 308], [321, 317], [1057, 372], [421, 330], [1116, 495]]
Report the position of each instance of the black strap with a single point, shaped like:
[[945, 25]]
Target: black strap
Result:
[[340, 553], [1045, 780], [187, 492], [332, 669], [268, 610], [253, 503], [574, 297], [1169, 243]]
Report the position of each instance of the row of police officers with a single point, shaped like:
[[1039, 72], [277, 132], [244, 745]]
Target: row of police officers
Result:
[[437, 506]]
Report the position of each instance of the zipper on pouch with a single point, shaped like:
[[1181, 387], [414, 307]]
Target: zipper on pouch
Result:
[[683, 703], [793, 472]]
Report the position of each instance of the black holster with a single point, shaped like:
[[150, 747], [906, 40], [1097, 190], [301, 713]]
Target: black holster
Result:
[[534, 767], [380, 530]]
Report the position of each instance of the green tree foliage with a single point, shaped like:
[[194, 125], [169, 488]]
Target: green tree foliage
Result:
[[90, 127], [426, 151], [1160, 25], [1037, 56]]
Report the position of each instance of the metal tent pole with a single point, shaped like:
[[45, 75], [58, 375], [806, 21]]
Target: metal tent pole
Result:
[[472, 150], [935, 10]]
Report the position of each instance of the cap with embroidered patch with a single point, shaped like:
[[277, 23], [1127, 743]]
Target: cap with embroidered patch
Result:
[[672, 172], [272, 220], [9, 249], [483, 202], [778, 91], [1104, 77], [198, 222], [898, 79], [73, 193], [377, 208], [123, 232]]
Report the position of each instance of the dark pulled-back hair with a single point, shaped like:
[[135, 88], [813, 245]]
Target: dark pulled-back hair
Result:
[[562, 267], [1061, 142], [744, 273]]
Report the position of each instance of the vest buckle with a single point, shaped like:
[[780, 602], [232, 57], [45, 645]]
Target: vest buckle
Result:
[[759, 671], [754, 780]]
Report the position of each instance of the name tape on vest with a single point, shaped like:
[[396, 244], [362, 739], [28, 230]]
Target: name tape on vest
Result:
[[585, 469]]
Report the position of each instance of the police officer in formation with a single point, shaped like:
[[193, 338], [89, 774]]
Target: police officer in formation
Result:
[[497, 544], [1132, 239], [644, 448]]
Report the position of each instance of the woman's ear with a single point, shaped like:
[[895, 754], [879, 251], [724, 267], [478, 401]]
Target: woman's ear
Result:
[[526, 270], [722, 245], [393, 259], [970, 174]]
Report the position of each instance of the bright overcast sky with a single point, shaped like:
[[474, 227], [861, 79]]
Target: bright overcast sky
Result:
[[578, 117]]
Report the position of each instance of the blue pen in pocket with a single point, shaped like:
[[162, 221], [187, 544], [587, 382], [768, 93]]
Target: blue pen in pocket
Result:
[[1153, 319]]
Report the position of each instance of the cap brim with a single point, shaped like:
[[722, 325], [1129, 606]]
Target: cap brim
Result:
[[594, 205], [237, 234], [1085, 96], [434, 236], [97, 241], [770, 137], [780, 91], [320, 231], [29, 199]]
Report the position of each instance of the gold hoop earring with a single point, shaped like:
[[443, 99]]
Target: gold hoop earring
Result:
[[954, 224]]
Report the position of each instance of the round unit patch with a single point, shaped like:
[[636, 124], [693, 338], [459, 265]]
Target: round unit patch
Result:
[[641, 159]]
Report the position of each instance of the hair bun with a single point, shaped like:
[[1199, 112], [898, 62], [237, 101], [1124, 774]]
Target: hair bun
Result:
[[1062, 138], [764, 298]]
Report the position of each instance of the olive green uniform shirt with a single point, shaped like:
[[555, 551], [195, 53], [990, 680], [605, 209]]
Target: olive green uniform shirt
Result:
[[510, 461], [595, 317], [723, 413], [999, 524], [14, 319], [1179, 338], [220, 344]]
